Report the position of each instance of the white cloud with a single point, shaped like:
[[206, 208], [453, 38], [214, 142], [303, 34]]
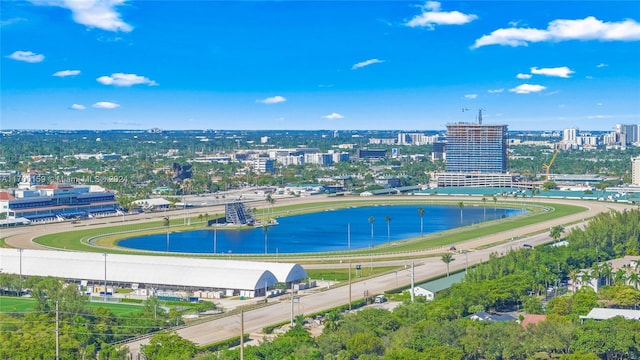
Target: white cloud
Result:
[[601, 65], [599, 104], [527, 88], [366, 63], [600, 117], [562, 71], [588, 28], [77, 107], [273, 100], [495, 91], [105, 105], [100, 14], [524, 76], [26, 56], [64, 73], [333, 116], [120, 79], [431, 16], [589, 77], [471, 96]]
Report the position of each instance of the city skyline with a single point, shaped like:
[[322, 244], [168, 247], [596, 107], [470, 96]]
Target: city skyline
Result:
[[262, 65]]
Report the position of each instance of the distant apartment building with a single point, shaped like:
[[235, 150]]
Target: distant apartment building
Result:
[[378, 141], [570, 139], [322, 159], [372, 153], [416, 139], [439, 151], [264, 165], [477, 148], [627, 134], [635, 171]]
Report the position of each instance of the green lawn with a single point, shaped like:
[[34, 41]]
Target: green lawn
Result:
[[9, 304], [338, 274]]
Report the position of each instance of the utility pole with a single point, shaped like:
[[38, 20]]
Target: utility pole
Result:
[[241, 334], [291, 304], [413, 274], [20, 292], [105, 277], [215, 239], [57, 332], [349, 240], [349, 284]]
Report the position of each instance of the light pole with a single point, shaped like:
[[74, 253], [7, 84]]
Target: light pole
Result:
[[215, 239], [105, 277], [20, 291]]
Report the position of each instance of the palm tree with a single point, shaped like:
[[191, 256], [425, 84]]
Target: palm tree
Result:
[[388, 220], [620, 277], [484, 208], [575, 279], [265, 229], [421, 214], [461, 206], [270, 201], [447, 258], [371, 220], [495, 204], [556, 232], [166, 222], [634, 279]]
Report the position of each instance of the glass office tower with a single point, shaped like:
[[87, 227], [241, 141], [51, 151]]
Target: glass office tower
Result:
[[477, 148]]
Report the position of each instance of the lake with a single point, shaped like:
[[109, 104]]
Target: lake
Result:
[[331, 230]]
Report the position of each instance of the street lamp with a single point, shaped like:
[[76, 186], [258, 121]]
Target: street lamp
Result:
[[105, 276], [20, 251]]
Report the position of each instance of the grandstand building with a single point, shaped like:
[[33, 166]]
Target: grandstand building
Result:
[[57, 202]]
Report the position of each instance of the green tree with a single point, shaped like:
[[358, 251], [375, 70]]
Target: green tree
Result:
[[447, 258], [556, 232], [371, 220], [388, 220], [460, 206], [364, 343], [421, 214], [169, 345]]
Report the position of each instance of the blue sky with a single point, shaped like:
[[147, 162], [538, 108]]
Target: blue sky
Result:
[[116, 64]]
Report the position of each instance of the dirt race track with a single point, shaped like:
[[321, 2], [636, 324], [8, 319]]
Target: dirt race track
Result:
[[22, 237]]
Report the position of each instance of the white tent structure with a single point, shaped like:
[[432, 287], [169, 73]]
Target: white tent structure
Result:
[[154, 271]]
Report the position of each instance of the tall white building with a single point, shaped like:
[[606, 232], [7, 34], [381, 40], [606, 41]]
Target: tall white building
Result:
[[570, 136], [635, 171]]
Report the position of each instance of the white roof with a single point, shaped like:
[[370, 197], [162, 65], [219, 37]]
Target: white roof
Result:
[[606, 313], [161, 270], [152, 202]]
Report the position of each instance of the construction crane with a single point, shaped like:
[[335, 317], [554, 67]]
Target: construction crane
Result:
[[479, 114], [547, 167]]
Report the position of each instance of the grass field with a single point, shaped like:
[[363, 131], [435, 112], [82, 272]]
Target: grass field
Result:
[[343, 274], [10, 304]]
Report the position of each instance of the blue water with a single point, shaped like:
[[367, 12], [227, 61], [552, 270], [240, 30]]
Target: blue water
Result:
[[321, 231]]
